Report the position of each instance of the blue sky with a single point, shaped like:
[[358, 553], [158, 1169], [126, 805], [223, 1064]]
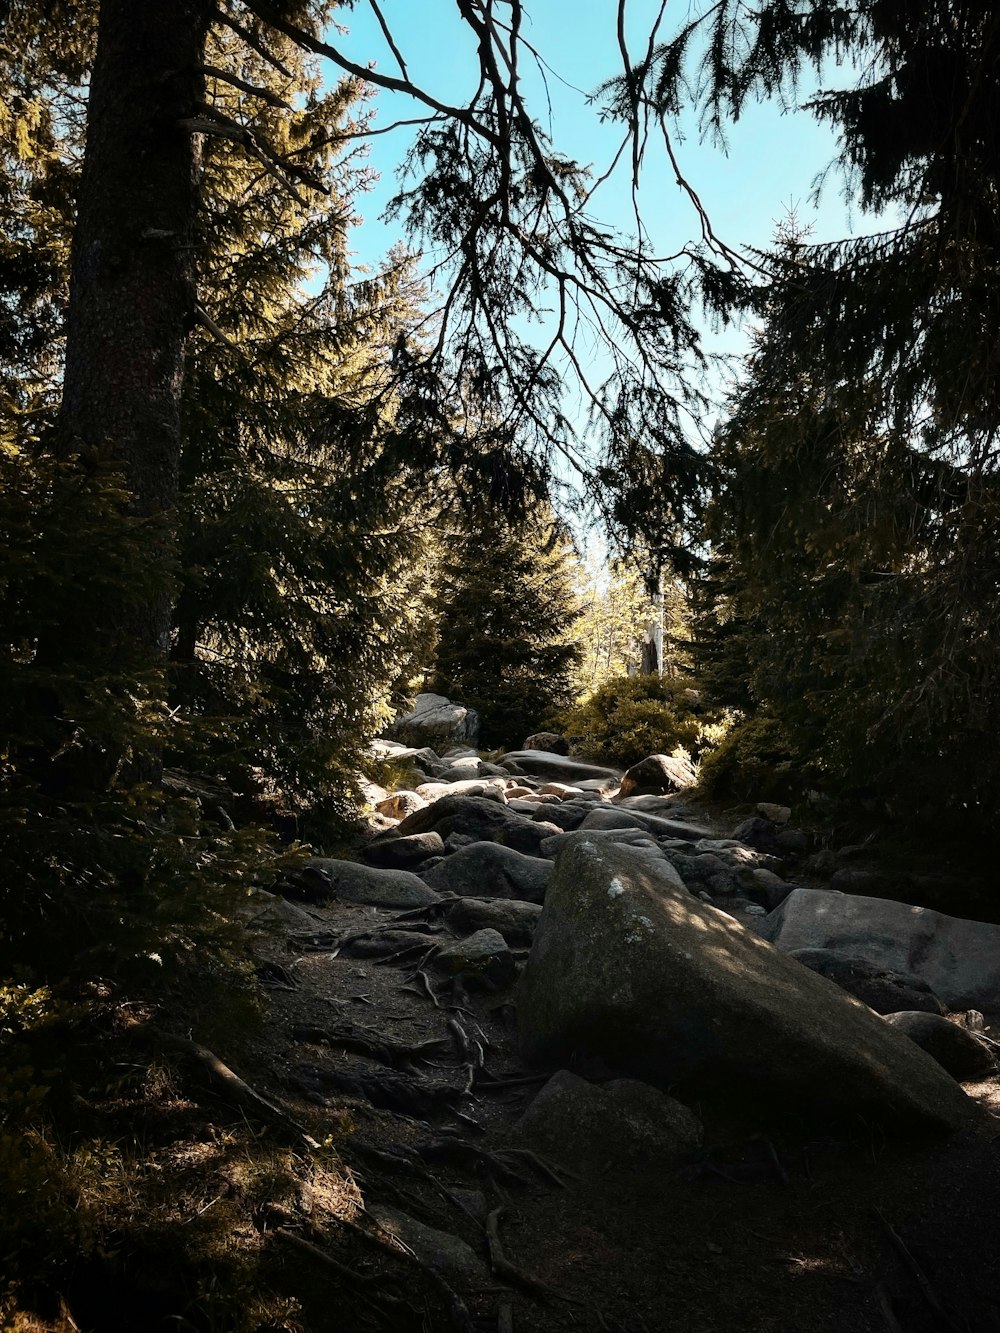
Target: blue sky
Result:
[[771, 165]]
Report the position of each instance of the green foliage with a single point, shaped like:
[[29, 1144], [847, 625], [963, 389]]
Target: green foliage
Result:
[[301, 582], [626, 719], [756, 760], [508, 609], [855, 525]]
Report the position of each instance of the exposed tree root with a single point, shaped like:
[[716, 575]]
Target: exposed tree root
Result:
[[225, 1083]]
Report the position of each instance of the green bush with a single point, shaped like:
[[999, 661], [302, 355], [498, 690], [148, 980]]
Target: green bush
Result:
[[757, 760], [628, 718]]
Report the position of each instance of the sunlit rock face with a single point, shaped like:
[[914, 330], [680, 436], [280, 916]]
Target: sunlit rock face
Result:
[[630, 973]]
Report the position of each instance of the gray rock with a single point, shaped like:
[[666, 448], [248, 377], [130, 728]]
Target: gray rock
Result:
[[884, 991], [958, 959], [515, 921], [433, 791], [570, 771], [353, 883], [769, 889], [758, 833], [629, 970], [604, 817], [793, 842], [477, 817], [658, 773], [481, 959], [563, 790], [547, 741], [777, 814], [440, 1250], [670, 807], [265, 911], [957, 1051], [371, 792], [403, 853], [857, 880], [526, 805], [623, 1124], [489, 870], [527, 835], [437, 722], [631, 837], [704, 871], [568, 815]]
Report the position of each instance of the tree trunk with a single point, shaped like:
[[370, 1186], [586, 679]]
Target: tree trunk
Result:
[[132, 290]]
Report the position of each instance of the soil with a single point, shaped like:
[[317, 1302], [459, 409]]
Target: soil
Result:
[[778, 1225]]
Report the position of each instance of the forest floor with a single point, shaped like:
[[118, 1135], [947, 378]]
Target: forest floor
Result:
[[778, 1226]]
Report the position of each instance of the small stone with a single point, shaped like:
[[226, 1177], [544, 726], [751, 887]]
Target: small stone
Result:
[[482, 959]]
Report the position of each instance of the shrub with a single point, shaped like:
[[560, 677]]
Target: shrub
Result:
[[633, 716], [757, 760]]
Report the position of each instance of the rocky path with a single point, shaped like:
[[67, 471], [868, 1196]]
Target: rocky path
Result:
[[744, 1147]]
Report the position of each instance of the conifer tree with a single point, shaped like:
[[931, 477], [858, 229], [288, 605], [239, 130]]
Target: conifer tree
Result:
[[508, 609]]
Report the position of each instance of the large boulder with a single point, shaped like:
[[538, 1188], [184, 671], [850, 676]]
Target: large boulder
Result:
[[437, 722], [478, 819], [658, 773], [631, 973], [571, 771], [958, 959], [353, 883], [488, 870]]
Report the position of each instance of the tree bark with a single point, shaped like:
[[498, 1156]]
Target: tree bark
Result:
[[132, 291]]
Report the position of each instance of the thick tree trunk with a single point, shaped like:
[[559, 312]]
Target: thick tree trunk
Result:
[[132, 289]]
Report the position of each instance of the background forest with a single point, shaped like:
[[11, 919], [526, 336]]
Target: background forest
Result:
[[253, 498]]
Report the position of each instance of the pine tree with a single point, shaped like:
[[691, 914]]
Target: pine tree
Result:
[[508, 611]]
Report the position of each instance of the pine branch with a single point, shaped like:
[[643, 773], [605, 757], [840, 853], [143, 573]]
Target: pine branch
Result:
[[248, 38], [265, 94]]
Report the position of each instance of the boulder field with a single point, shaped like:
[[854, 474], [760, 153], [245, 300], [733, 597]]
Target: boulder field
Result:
[[665, 953]]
